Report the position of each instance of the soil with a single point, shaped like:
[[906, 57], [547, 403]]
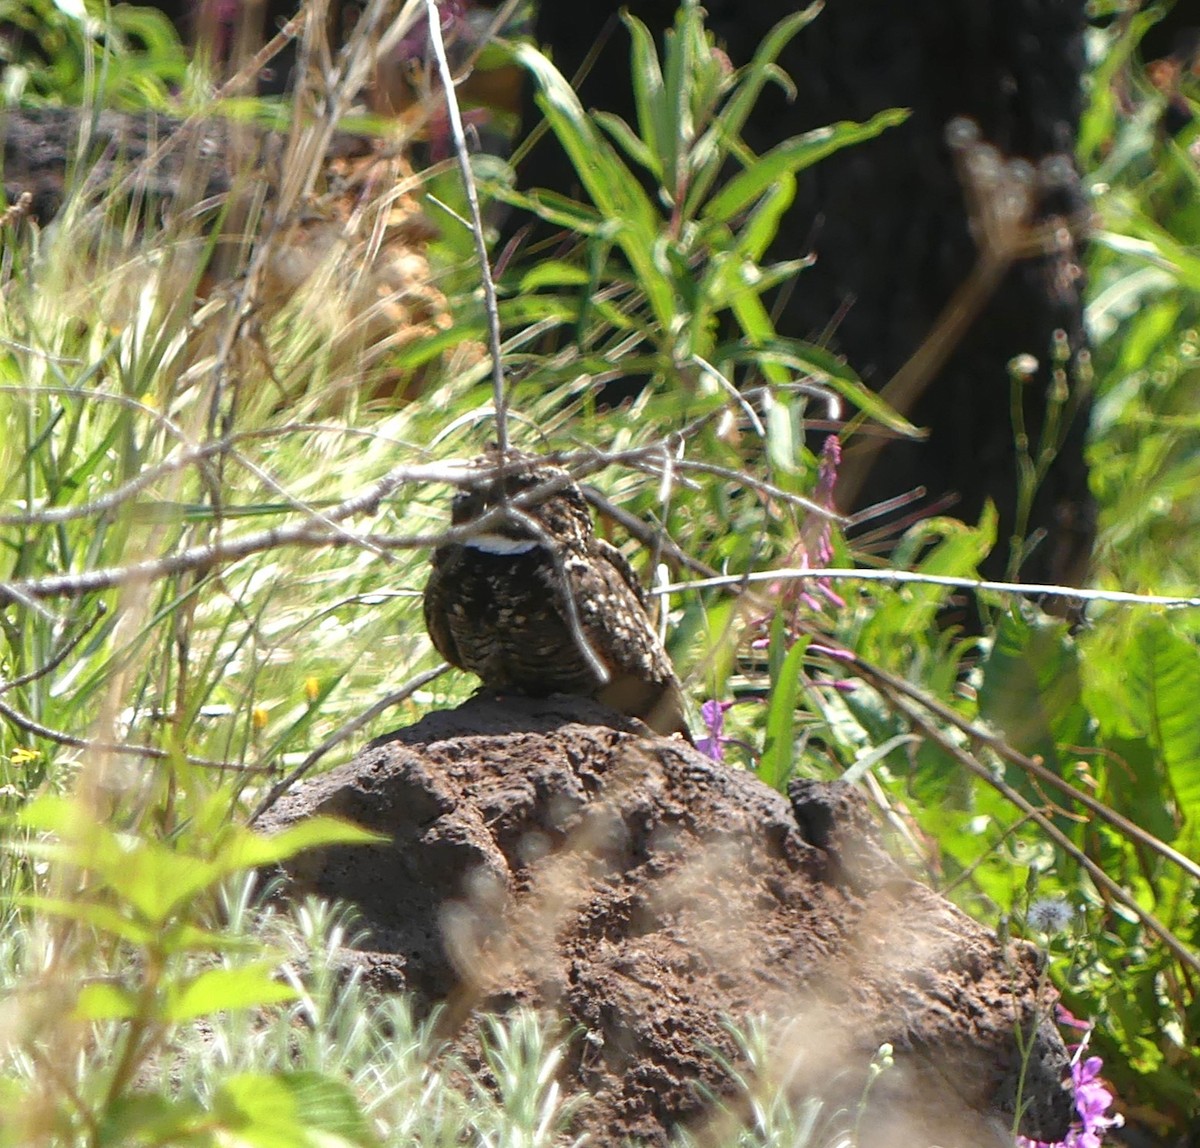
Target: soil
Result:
[[551, 853]]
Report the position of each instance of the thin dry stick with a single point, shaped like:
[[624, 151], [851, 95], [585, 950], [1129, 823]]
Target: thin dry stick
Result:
[[276, 45], [98, 745], [60, 655], [500, 399], [349, 729], [762, 487], [309, 533], [914, 578], [648, 535], [1101, 879], [581, 640], [999, 746]]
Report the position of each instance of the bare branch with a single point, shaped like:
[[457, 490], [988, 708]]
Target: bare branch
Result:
[[99, 745], [343, 732], [500, 399], [912, 577]]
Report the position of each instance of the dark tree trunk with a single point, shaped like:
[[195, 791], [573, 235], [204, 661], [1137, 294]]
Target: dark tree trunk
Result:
[[888, 223]]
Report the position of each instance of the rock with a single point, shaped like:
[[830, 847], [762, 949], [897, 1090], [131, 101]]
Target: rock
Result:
[[546, 852]]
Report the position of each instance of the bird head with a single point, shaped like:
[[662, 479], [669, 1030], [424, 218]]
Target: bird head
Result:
[[546, 505]]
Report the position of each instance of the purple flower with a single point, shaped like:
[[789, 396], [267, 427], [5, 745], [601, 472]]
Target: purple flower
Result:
[[816, 535], [1092, 1101], [712, 713]]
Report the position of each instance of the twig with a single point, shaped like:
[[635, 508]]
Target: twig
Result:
[[763, 487], [342, 733], [59, 656], [912, 577], [433, 17], [646, 534], [581, 640], [99, 745], [1101, 879]]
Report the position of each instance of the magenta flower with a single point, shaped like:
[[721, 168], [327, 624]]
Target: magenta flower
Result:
[[1092, 1101], [712, 713], [816, 535]]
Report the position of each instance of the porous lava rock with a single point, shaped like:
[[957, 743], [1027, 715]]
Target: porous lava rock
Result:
[[548, 852]]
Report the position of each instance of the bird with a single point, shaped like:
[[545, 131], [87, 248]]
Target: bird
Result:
[[534, 603]]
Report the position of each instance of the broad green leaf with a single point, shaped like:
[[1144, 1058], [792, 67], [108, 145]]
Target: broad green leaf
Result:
[[152, 1118], [101, 1000], [246, 849], [150, 876], [226, 990], [105, 918], [1031, 688], [156, 880], [1139, 786], [290, 1110], [1164, 681]]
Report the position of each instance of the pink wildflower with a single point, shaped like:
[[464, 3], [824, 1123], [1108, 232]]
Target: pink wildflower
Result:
[[712, 713], [1092, 1101]]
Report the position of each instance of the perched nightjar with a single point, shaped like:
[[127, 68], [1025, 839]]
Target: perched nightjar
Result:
[[520, 602]]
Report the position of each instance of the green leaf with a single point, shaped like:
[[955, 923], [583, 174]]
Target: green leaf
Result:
[[226, 990], [152, 1118], [102, 1000], [104, 918], [775, 767], [553, 273], [1031, 689], [627, 140], [749, 85], [248, 850], [762, 225], [155, 879], [789, 158], [1164, 683], [290, 1110], [150, 876], [648, 92], [610, 184]]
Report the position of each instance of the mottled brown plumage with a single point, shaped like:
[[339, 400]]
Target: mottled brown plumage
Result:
[[500, 603]]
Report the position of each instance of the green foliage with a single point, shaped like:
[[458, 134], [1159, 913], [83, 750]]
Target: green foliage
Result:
[[142, 429], [145, 908], [75, 53], [691, 253], [1144, 316]]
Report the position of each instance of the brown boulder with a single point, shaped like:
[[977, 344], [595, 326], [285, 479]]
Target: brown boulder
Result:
[[545, 852]]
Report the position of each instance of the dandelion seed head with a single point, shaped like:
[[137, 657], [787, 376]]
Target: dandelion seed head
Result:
[[1049, 915]]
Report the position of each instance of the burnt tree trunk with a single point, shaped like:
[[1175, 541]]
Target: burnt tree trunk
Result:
[[888, 222]]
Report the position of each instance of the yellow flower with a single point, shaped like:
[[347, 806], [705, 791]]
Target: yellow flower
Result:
[[258, 716], [312, 688]]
